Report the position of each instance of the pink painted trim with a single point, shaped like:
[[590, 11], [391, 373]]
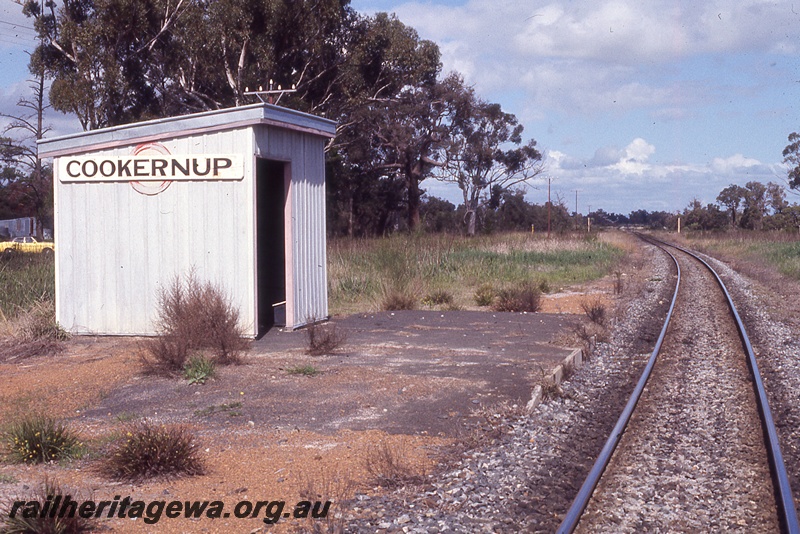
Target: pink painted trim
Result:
[[254, 236], [288, 235]]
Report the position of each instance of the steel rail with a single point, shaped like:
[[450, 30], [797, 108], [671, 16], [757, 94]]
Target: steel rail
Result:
[[782, 488], [585, 493]]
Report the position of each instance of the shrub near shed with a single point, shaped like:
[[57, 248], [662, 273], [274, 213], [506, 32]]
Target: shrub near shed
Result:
[[193, 318]]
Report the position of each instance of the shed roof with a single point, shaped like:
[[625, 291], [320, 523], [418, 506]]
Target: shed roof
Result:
[[206, 122]]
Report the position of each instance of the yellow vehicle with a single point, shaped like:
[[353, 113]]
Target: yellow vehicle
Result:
[[26, 244]]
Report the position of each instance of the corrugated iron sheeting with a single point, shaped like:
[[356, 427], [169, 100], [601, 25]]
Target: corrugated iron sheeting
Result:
[[117, 247]]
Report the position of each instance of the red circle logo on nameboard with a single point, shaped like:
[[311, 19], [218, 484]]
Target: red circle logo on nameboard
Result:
[[150, 188]]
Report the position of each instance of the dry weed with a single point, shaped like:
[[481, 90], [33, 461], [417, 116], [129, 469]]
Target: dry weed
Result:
[[595, 310], [335, 492], [388, 465], [398, 300], [46, 523], [193, 317], [33, 332], [591, 333], [323, 338], [618, 282], [525, 298]]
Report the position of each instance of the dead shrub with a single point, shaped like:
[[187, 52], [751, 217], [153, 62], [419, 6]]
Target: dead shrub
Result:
[[567, 370], [193, 317], [595, 310], [550, 389], [527, 297], [33, 332], [551, 385], [388, 466], [484, 295], [398, 300], [618, 283], [323, 338], [590, 333], [336, 491]]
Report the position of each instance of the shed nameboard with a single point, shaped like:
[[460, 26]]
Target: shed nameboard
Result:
[[151, 167]]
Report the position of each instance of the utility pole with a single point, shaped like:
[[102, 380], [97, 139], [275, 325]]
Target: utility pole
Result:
[[548, 208], [577, 218], [589, 219]]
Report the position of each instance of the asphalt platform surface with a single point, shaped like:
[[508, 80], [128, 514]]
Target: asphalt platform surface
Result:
[[412, 372]]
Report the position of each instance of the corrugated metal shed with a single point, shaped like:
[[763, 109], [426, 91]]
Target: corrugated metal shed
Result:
[[21, 227], [236, 195]]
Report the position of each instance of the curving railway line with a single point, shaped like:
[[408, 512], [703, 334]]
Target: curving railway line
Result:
[[695, 448]]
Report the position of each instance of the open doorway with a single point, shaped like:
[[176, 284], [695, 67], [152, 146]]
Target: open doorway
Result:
[[270, 244]]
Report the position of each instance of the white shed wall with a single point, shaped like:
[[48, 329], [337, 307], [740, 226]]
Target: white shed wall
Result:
[[117, 247]]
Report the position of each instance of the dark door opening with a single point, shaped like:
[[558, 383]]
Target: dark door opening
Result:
[[270, 243]]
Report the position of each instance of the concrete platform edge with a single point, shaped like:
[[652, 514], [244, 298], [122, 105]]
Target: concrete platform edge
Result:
[[573, 361]]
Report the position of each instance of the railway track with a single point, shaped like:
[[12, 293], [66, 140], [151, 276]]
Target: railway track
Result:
[[695, 448]]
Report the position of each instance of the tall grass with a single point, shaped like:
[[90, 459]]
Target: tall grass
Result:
[[25, 279], [362, 272], [778, 250]]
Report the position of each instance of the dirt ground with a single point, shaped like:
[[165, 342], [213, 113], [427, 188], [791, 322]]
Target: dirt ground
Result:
[[413, 382]]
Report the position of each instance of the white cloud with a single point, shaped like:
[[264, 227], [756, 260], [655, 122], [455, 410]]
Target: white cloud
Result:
[[587, 56], [605, 156], [734, 163], [634, 160], [619, 179], [673, 93], [613, 31]]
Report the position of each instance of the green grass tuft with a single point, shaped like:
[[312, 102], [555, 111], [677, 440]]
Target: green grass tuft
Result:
[[39, 439], [199, 369], [233, 409], [147, 451], [304, 370]]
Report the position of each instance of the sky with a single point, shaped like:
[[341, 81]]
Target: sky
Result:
[[634, 104]]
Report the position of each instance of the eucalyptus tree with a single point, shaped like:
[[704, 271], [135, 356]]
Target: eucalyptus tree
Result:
[[754, 205], [118, 61], [791, 156], [27, 182], [390, 109], [413, 134], [486, 154], [776, 197], [731, 197]]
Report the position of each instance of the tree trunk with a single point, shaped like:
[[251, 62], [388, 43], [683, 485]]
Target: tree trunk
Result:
[[414, 194], [350, 216], [472, 215]]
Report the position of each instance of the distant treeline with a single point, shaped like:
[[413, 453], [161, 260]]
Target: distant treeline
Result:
[[508, 211], [755, 206]]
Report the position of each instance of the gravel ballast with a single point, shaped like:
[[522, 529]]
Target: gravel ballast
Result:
[[526, 479]]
